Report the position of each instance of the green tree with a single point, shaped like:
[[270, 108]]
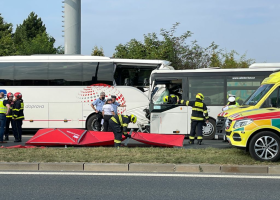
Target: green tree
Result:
[[97, 51], [41, 44], [6, 43], [179, 51], [29, 29], [31, 37]]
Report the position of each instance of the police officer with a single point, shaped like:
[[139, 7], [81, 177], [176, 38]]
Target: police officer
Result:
[[118, 124], [9, 116], [4, 110], [116, 104], [18, 116], [171, 99], [99, 103], [199, 115]]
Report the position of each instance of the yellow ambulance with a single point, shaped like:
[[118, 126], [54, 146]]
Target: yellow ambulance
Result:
[[262, 98], [257, 127]]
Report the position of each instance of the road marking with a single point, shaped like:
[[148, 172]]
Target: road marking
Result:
[[142, 174]]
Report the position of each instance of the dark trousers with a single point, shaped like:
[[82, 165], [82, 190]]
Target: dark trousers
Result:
[[18, 129], [8, 122], [196, 129], [99, 118], [2, 125], [116, 130], [106, 126]]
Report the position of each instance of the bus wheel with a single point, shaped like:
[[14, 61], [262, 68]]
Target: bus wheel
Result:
[[264, 146], [92, 123], [209, 130]]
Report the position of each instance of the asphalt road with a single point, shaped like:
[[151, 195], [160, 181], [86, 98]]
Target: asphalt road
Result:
[[126, 186], [133, 143]]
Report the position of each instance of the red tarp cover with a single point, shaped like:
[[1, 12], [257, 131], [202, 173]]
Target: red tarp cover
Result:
[[57, 137], [165, 140], [21, 147], [96, 138]]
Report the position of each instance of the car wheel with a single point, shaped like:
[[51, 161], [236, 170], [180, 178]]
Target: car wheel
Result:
[[264, 146], [92, 123], [209, 130]]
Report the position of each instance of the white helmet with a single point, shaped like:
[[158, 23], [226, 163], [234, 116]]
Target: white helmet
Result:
[[231, 99]]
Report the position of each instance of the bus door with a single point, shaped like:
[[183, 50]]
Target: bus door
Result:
[[167, 118]]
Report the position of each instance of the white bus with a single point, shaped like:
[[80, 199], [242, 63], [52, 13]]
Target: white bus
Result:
[[214, 84], [58, 89]]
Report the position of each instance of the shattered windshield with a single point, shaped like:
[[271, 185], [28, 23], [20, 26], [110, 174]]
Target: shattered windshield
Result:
[[258, 95], [161, 92]]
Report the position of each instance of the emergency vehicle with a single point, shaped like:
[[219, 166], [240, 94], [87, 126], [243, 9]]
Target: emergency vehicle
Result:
[[258, 130]]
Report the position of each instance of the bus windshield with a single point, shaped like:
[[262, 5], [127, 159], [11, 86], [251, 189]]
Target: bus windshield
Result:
[[258, 95]]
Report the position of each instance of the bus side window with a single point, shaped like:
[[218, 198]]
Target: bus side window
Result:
[[65, 74], [7, 74], [211, 87], [272, 100], [30, 74], [105, 73], [89, 73]]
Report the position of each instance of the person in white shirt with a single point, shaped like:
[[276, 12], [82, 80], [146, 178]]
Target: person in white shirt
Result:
[[107, 112]]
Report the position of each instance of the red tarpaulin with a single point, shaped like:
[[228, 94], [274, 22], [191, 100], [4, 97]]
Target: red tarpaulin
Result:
[[165, 140], [21, 147], [96, 138], [57, 137]]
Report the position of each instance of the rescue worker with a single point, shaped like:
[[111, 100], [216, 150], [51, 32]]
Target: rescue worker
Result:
[[199, 115], [116, 104], [99, 103], [118, 124], [231, 103], [18, 116], [4, 110], [171, 99], [9, 116]]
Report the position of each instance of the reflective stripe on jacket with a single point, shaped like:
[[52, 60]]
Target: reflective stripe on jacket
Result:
[[18, 109], [199, 110], [122, 120], [3, 109]]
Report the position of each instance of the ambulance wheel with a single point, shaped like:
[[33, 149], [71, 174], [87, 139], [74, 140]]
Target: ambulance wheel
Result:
[[92, 123], [265, 146], [209, 130]]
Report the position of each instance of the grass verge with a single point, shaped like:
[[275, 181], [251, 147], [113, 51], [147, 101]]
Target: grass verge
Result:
[[130, 155]]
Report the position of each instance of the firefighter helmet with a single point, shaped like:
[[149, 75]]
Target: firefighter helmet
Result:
[[18, 95], [133, 119], [165, 99], [199, 96], [10, 95]]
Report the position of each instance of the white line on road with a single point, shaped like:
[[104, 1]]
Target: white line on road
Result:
[[141, 174]]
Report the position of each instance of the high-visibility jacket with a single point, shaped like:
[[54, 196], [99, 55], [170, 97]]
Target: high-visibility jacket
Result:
[[173, 99], [17, 110], [199, 110], [3, 109], [122, 121], [10, 114]]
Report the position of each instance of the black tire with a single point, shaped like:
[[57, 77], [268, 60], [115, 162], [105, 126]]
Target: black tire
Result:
[[265, 146], [91, 123], [209, 133]]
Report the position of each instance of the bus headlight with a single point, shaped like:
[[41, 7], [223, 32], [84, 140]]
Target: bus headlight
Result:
[[241, 123]]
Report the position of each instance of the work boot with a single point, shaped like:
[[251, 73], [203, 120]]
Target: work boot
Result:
[[191, 141], [117, 145], [199, 142], [6, 138]]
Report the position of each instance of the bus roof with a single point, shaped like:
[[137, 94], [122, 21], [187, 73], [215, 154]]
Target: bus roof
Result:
[[264, 65], [214, 70], [77, 58]]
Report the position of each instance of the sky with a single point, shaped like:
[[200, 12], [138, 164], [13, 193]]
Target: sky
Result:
[[246, 26]]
